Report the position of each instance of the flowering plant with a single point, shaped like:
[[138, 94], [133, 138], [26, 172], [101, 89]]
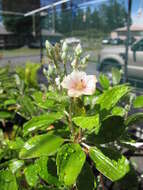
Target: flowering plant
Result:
[[76, 134]]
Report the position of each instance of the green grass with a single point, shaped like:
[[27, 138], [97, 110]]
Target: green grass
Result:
[[19, 52]]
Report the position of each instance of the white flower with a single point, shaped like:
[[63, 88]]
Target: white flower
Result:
[[79, 83]]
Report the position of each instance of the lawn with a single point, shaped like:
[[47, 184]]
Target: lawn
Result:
[[24, 51]]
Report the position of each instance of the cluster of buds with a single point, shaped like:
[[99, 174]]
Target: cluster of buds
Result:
[[57, 56], [77, 62]]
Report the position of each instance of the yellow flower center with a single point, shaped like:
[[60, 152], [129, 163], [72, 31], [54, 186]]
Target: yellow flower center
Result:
[[80, 85]]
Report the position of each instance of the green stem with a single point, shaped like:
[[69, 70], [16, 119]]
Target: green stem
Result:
[[70, 119], [65, 69]]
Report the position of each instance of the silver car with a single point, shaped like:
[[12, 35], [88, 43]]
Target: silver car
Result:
[[114, 56]]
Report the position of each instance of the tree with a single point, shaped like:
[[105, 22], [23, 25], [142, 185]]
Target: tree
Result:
[[113, 15], [15, 23]]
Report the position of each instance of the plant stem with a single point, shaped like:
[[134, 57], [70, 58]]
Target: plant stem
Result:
[[85, 145], [70, 118], [101, 181], [65, 69]]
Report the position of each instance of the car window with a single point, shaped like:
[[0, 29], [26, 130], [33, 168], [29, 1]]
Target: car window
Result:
[[139, 46]]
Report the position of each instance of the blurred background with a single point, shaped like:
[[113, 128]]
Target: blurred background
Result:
[[101, 26]]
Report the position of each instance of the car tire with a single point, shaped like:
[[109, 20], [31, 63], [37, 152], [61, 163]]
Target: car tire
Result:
[[106, 68]]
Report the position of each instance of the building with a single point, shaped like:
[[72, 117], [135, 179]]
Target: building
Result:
[[136, 32], [8, 39], [22, 6]]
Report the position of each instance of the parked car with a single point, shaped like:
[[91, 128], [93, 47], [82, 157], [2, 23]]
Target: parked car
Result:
[[116, 41], [114, 56], [131, 40], [106, 41], [71, 40]]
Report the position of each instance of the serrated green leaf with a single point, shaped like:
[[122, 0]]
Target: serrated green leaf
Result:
[[42, 101], [15, 165], [16, 144], [86, 178], [138, 102], [134, 119], [7, 180], [130, 181], [39, 122], [110, 163], [27, 108], [104, 81], [5, 115], [10, 102], [87, 122], [70, 160], [112, 96], [118, 111], [31, 175], [111, 129], [40, 145], [43, 172], [116, 76]]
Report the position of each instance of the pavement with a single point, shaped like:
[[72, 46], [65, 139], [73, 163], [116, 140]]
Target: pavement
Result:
[[20, 61]]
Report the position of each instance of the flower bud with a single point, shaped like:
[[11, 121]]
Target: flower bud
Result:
[[65, 47], [63, 56], [78, 50], [73, 64], [48, 45], [85, 60], [50, 70], [58, 83]]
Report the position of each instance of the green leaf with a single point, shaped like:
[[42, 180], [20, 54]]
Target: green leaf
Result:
[[39, 122], [138, 102], [42, 100], [44, 173], [130, 181], [86, 178], [118, 111], [104, 81], [27, 108], [87, 122], [10, 102], [40, 145], [112, 96], [110, 163], [70, 160], [111, 129], [31, 175], [134, 119], [7, 180], [5, 115], [15, 165], [16, 144], [116, 76]]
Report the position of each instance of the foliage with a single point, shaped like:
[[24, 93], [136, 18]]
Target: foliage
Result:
[[49, 140]]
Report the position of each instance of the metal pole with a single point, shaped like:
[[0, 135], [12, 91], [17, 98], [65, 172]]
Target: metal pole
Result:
[[53, 19], [127, 43], [41, 40]]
